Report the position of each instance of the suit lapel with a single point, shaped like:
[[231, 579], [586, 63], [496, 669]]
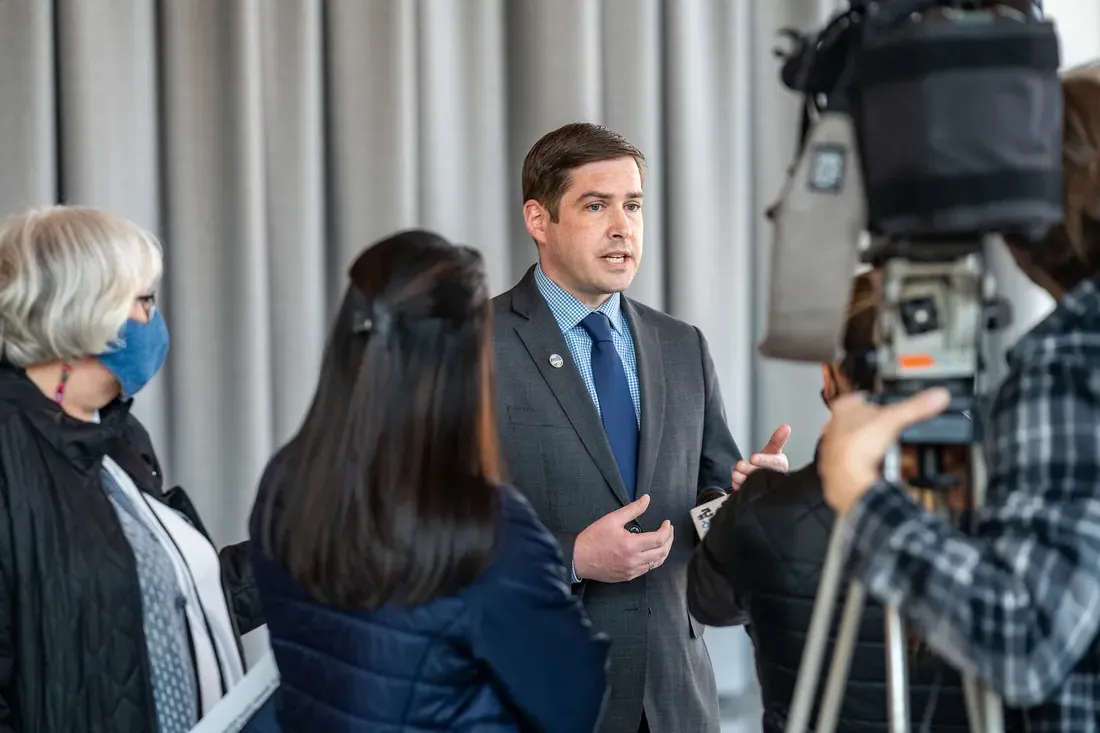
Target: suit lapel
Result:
[[651, 378], [542, 337]]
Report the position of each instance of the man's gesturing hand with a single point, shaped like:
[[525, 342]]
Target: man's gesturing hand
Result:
[[609, 553], [771, 457]]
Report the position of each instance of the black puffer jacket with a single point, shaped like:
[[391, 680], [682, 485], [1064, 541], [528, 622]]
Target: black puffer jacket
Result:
[[72, 648], [760, 563]]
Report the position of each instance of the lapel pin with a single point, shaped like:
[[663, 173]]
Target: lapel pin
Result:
[[556, 361]]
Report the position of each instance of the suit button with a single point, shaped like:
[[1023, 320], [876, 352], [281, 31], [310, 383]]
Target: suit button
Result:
[[648, 612], [634, 528]]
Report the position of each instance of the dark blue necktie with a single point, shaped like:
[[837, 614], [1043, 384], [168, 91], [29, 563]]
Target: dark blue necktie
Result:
[[620, 421]]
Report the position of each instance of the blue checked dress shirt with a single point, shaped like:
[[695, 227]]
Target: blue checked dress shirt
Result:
[[569, 312]]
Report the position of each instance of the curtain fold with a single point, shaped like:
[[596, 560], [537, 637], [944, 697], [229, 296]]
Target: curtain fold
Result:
[[267, 143], [28, 115], [299, 266], [216, 233], [633, 85], [464, 188]]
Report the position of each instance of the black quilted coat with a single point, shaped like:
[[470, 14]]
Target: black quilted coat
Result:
[[760, 564], [72, 649]]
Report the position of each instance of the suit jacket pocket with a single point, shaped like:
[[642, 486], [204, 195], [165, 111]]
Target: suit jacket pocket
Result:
[[538, 418], [696, 627]]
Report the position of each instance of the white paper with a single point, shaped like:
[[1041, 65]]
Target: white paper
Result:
[[233, 711], [702, 514]]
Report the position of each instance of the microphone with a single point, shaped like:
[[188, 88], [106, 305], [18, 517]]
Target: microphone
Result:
[[710, 499], [711, 493]]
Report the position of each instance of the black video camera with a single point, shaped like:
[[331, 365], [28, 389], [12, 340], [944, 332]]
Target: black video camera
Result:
[[957, 110]]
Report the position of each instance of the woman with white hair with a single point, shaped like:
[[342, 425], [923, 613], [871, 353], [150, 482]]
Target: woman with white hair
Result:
[[116, 612]]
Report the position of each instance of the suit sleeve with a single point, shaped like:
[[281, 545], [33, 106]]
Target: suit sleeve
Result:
[[566, 541], [8, 684], [719, 451], [534, 636], [714, 592]]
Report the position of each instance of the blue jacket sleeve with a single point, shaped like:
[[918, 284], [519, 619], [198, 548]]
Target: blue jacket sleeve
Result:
[[533, 634]]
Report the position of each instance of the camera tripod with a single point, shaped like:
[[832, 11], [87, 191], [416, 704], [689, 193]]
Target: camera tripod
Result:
[[936, 303], [985, 711]]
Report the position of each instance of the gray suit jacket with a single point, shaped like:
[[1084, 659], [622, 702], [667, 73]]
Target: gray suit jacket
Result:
[[558, 455]]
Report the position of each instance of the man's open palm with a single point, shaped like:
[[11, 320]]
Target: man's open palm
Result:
[[770, 457]]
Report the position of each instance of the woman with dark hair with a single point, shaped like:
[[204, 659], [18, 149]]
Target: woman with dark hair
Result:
[[405, 587]]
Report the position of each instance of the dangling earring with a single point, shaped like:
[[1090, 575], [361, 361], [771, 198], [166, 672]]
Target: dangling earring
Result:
[[59, 394]]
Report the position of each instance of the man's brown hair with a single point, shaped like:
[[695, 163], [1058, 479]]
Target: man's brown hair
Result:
[[548, 164], [861, 329], [1070, 252]]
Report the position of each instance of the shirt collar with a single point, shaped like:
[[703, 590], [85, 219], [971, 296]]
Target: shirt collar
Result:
[[1083, 299], [568, 311], [1077, 311]]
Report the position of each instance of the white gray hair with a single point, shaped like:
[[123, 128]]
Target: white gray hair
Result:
[[69, 276]]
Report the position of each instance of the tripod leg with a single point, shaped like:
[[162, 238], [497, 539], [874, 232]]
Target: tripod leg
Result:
[[983, 707], [897, 682], [829, 714], [975, 710], [994, 712], [897, 677], [817, 638]]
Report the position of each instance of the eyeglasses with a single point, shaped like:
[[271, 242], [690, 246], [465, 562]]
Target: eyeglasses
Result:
[[148, 303]]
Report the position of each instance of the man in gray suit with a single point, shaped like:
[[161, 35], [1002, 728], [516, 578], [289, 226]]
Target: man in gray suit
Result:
[[613, 425]]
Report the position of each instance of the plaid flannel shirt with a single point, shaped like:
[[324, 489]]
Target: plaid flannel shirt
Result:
[[1017, 602]]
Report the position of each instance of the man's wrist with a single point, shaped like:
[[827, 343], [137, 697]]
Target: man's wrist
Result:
[[573, 573]]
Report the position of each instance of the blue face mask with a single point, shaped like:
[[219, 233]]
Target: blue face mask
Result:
[[138, 354]]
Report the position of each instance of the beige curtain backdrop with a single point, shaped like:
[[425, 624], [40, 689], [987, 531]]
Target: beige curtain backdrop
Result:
[[268, 141]]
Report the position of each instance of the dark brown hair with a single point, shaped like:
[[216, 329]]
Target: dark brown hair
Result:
[[1070, 253], [548, 164], [388, 492], [861, 327]]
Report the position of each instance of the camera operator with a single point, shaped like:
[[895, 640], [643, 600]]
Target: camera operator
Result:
[[1018, 601]]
